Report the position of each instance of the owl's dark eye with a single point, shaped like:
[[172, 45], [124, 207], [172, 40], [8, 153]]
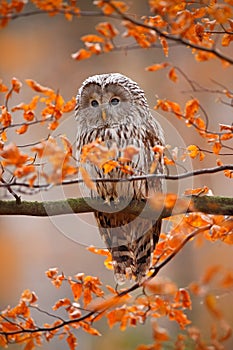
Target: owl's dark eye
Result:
[[94, 103], [114, 101]]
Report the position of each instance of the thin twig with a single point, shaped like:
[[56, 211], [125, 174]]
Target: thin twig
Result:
[[197, 172]]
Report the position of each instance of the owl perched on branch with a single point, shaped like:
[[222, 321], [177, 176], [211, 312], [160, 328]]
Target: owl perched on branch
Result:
[[113, 108]]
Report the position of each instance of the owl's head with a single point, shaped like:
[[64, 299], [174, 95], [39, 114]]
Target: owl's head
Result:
[[109, 98]]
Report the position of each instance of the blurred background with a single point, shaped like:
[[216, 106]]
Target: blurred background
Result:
[[40, 48]]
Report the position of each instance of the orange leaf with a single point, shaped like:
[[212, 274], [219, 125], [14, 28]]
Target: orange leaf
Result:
[[183, 297], [29, 296], [9, 327], [67, 145], [157, 66], [53, 125], [226, 39], [108, 9], [99, 251], [72, 341], [210, 273], [87, 297], [160, 333], [32, 180], [108, 46], [217, 147], [61, 303], [22, 129], [228, 173], [108, 302], [39, 88], [199, 30], [193, 152], [77, 289], [87, 180], [191, 108], [227, 280], [82, 54], [199, 122], [57, 281], [24, 170], [13, 156], [93, 48], [164, 44], [108, 263], [3, 88], [160, 286], [109, 166], [202, 56], [168, 161], [29, 116], [226, 127], [92, 38], [5, 117], [211, 304], [127, 169], [30, 345], [87, 328], [226, 136], [16, 84], [115, 316], [106, 29], [52, 272], [159, 149], [169, 106], [69, 106], [172, 75], [196, 191], [179, 317]]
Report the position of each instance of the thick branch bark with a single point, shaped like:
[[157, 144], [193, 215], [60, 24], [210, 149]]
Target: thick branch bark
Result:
[[207, 204]]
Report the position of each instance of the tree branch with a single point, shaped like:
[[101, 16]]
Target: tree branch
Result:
[[206, 204]]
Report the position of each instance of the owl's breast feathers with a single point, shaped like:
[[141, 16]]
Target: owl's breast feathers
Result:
[[121, 136], [130, 239]]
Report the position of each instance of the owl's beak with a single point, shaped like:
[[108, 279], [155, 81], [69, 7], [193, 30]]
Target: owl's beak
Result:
[[104, 114]]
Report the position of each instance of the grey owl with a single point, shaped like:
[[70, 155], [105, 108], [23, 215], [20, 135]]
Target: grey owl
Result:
[[113, 108]]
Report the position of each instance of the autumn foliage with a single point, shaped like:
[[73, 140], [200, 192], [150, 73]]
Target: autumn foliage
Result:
[[206, 29]]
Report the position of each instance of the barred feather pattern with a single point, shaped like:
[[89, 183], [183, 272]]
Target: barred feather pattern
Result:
[[130, 239]]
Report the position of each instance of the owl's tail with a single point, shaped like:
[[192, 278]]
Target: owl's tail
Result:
[[131, 241]]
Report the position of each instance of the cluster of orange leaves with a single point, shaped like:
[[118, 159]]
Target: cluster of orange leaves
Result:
[[172, 18], [191, 114], [21, 164], [10, 9], [161, 297]]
